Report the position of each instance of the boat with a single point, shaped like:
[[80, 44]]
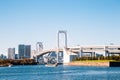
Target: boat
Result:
[[51, 65], [10, 65]]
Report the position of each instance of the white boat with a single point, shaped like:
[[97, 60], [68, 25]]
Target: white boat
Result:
[[10, 65], [51, 65]]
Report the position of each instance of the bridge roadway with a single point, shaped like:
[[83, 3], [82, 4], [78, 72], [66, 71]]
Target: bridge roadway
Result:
[[49, 51], [87, 49]]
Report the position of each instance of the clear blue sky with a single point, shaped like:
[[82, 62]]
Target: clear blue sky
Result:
[[88, 22]]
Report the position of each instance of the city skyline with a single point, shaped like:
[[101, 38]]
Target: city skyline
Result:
[[87, 22]]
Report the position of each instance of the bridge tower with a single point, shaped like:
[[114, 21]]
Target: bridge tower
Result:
[[58, 42], [39, 47], [65, 34]]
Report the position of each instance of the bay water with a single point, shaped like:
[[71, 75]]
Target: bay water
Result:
[[40, 72]]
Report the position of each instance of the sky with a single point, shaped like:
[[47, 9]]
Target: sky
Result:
[[87, 22]]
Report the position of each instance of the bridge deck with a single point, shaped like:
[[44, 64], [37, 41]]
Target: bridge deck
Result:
[[77, 49]]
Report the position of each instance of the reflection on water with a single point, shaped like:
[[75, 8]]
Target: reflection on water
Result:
[[40, 72]]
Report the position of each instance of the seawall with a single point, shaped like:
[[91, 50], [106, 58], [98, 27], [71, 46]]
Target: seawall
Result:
[[89, 63]]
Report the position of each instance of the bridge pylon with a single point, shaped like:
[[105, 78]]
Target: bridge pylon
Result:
[[58, 42]]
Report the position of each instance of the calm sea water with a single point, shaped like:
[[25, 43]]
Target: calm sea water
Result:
[[38, 72]]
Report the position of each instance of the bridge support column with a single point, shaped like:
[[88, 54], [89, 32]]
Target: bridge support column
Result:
[[66, 56], [80, 53], [106, 53], [36, 59], [57, 56], [93, 54]]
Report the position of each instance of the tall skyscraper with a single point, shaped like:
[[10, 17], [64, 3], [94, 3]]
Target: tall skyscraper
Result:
[[24, 51], [21, 51], [27, 51], [11, 53]]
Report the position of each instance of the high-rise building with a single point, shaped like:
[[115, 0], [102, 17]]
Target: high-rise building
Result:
[[11, 53], [24, 51], [16, 56], [3, 57], [21, 51], [27, 51]]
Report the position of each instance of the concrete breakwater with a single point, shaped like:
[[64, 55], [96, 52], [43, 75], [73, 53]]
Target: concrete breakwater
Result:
[[95, 63], [89, 63]]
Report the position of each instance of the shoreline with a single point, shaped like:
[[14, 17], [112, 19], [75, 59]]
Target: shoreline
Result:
[[88, 63]]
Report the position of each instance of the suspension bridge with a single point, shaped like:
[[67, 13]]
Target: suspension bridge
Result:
[[67, 54]]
